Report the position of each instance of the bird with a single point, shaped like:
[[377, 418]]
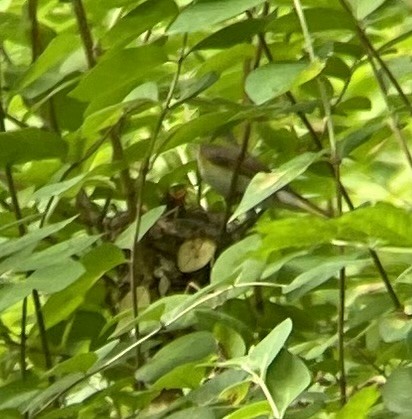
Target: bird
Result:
[[216, 164]]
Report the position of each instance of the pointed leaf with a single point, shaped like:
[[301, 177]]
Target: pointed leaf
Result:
[[57, 51], [185, 349], [359, 405], [30, 144], [139, 20], [287, 377], [55, 278], [263, 185], [125, 239], [119, 69], [205, 13], [232, 35], [396, 391], [316, 276], [33, 237], [363, 8], [263, 354], [275, 79], [251, 410]]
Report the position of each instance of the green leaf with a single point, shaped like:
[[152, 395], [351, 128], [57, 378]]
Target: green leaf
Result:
[[231, 341], [198, 127], [188, 375], [363, 8], [316, 276], [149, 219], [11, 28], [18, 393], [263, 185], [185, 349], [30, 144], [275, 79], [287, 377], [97, 262], [139, 20], [394, 327], [296, 232], [381, 224], [49, 256], [359, 405], [229, 264], [119, 69], [235, 393], [78, 363], [58, 387], [194, 412], [11, 294], [96, 122], [319, 19], [55, 189], [232, 35], [263, 354], [355, 139], [205, 13], [226, 60], [396, 391], [198, 86], [54, 278], [31, 238], [251, 410], [385, 222], [56, 52], [211, 389], [146, 91]]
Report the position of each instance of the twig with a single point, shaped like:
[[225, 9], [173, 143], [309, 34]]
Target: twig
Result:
[[85, 32], [115, 134], [136, 255], [336, 168], [36, 50], [36, 298], [373, 53]]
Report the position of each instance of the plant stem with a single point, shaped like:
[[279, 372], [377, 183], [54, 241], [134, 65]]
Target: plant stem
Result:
[[338, 212], [36, 50], [85, 32], [36, 298], [136, 254]]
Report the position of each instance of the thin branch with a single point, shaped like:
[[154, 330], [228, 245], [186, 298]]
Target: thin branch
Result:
[[125, 178], [36, 50], [21, 229], [394, 121], [136, 254], [115, 134], [85, 32], [375, 54], [36, 298], [336, 168], [36, 46]]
